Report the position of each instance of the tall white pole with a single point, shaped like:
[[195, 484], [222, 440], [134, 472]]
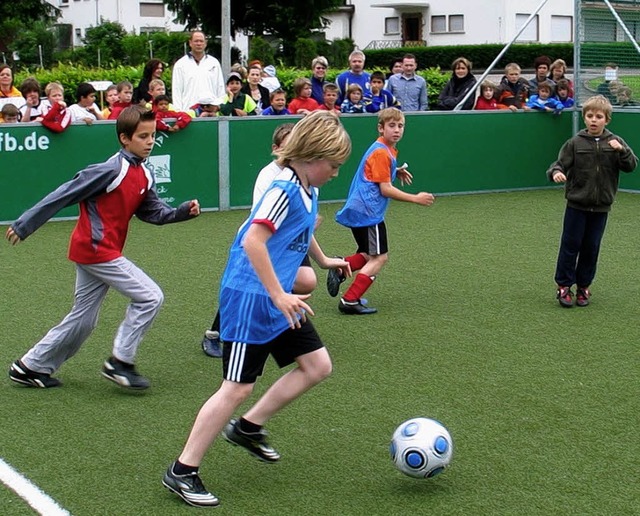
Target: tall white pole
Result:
[[225, 36]]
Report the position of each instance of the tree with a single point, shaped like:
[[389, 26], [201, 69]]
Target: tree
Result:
[[286, 19], [16, 17]]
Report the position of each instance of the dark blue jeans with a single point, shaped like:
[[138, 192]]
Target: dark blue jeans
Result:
[[579, 247]]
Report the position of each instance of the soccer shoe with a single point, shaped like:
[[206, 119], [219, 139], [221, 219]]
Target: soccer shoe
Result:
[[255, 443], [355, 308], [582, 296], [211, 344], [565, 296], [20, 373], [334, 279], [189, 488], [125, 375]]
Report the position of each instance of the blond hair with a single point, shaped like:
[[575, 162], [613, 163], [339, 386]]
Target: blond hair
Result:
[[319, 135], [155, 82], [390, 114], [598, 103], [512, 67], [53, 86]]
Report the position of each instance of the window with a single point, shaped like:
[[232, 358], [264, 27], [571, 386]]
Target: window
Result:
[[151, 9], [562, 29], [451, 23], [456, 23], [64, 3], [392, 25], [438, 24], [531, 32]]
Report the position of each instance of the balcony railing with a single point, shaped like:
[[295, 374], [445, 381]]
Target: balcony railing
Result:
[[378, 44]]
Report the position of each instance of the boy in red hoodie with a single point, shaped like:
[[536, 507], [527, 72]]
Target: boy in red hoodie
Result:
[[161, 109], [125, 94]]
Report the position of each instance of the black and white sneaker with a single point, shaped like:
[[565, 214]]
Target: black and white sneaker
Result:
[[189, 488], [20, 373], [334, 280], [211, 344], [125, 375], [255, 443], [355, 308]]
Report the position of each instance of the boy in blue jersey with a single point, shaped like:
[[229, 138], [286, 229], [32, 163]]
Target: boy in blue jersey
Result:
[[363, 212], [260, 315]]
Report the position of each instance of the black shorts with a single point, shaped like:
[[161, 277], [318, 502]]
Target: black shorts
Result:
[[243, 363], [306, 261], [371, 240]]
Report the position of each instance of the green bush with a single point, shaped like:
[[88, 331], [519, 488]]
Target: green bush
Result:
[[305, 51], [261, 50]]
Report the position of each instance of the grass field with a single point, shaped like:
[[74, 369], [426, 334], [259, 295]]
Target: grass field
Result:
[[543, 403]]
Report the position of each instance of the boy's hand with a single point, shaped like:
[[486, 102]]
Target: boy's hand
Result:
[[338, 263], [240, 112], [12, 236], [559, 177], [425, 198], [194, 211], [616, 145], [406, 178], [292, 306]]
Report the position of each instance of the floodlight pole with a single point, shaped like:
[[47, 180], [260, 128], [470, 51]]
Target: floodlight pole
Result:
[[623, 25], [499, 56], [225, 37]]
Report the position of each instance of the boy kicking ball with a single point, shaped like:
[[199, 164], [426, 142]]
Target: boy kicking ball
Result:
[[261, 316], [589, 164], [109, 194], [371, 190]]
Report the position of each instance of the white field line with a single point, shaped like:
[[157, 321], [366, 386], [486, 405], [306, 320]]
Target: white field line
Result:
[[29, 492]]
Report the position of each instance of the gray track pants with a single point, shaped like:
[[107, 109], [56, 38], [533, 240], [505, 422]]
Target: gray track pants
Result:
[[92, 283]]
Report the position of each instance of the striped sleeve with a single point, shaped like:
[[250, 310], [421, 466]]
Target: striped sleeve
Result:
[[273, 210]]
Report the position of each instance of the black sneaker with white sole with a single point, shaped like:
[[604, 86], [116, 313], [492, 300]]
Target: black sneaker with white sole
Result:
[[20, 373], [125, 375], [355, 308], [334, 280], [189, 488], [255, 443]]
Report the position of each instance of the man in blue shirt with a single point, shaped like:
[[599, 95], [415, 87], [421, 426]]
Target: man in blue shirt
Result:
[[409, 88], [354, 75]]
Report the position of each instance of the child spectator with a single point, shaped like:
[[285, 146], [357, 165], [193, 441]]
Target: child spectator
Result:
[[514, 90], [57, 118], [543, 101], [330, 98], [364, 210], [589, 164], [379, 98], [10, 114], [161, 108], [32, 109], [623, 97], [609, 88], [85, 109], [205, 108], [278, 99], [541, 65], [563, 93], [557, 72], [303, 104], [261, 316], [270, 79], [109, 194], [157, 87], [125, 94], [236, 103], [353, 102], [487, 99], [111, 96]]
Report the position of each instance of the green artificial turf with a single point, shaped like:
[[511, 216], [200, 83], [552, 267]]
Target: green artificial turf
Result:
[[543, 403]]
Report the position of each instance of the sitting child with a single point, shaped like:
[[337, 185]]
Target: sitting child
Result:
[[514, 90], [161, 108], [205, 108], [379, 98], [278, 99], [563, 92], [31, 111], [353, 103], [85, 109], [235, 102], [125, 94], [111, 95], [303, 104], [56, 117], [543, 101], [487, 99], [10, 114], [623, 97], [330, 94]]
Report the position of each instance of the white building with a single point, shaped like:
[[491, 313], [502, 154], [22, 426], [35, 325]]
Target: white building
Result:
[[136, 16], [395, 23]]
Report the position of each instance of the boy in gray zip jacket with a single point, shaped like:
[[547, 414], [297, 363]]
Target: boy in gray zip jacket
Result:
[[589, 164]]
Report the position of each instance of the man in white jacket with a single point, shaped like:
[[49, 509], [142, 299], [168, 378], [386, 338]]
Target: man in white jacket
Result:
[[196, 75]]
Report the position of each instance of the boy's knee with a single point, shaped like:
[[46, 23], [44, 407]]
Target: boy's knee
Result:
[[306, 281]]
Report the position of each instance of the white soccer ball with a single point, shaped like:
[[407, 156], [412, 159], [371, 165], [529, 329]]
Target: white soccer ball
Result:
[[421, 447]]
